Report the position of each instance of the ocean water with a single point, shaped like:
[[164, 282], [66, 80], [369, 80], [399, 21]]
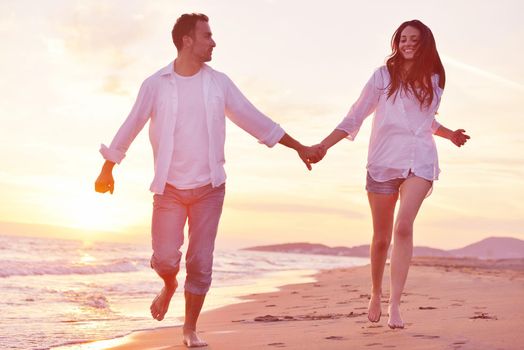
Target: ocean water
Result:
[[57, 292]]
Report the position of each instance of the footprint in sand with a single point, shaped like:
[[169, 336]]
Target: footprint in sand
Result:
[[423, 336], [278, 345], [267, 318], [335, 337], [483, 316], [375, 326], [458, 345]]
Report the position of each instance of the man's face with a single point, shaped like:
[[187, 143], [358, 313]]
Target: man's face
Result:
[[202, 43]]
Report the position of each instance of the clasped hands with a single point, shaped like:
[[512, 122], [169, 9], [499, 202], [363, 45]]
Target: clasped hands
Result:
[[312, 154]]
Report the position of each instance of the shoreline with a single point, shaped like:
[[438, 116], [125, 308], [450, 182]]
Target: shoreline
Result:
[[447, 304], [269, 282]]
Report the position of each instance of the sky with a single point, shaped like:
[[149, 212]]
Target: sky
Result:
[[71, 71]]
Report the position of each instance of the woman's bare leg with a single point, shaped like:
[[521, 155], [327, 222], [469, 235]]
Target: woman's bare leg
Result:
[[412, 194], [382, 211]]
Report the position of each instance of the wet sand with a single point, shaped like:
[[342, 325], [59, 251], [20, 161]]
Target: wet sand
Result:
[[447, 304]]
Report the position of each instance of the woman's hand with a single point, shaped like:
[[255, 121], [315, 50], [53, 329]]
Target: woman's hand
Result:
[[459, 137]]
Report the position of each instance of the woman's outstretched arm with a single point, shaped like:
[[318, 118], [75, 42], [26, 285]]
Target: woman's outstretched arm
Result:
[[458, 137], [333, 138], [321, 149]]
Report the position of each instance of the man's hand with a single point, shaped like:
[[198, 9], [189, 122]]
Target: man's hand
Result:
[[459, 137], [105, 181]]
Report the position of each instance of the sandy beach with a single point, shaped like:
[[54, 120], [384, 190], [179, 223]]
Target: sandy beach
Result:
[[448, 304]]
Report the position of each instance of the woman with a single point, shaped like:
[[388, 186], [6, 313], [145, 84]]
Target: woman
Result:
[[402, 158]]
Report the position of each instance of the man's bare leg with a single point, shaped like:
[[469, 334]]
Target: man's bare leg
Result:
[[160, 304], [194, 304]]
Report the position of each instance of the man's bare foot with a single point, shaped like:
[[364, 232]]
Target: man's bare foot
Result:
[[395, 320], [374, 309], [191, 340], [160, 304]]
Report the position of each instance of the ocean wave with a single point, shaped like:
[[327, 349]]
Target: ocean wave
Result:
[[21, 268], [92, 300]]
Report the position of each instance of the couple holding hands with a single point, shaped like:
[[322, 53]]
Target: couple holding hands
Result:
[[186, 103]]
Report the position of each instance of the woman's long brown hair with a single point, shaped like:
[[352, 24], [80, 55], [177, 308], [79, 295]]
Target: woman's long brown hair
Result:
[[426, 63]]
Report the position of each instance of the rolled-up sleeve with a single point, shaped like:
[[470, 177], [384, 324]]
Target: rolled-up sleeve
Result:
[[242, 112], [135, 121], [434, 126], [363, 107]]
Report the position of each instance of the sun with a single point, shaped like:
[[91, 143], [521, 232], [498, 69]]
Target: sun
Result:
[[91, 211]]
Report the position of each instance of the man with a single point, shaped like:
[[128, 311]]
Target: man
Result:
[[185, 103]]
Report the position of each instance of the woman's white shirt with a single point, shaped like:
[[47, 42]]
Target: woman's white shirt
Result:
[[402, 132]]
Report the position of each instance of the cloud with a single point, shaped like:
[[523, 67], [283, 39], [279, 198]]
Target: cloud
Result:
[[98, 29], [492, 168], [479, 224], [286, 105], [113, 84], [103, 38], [483, 73]]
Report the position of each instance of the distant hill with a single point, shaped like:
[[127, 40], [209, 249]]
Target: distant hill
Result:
[[489, 248], [310, 248], [493, 248]]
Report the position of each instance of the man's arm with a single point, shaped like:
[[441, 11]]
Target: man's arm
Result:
[[133, 124], [135, 121]]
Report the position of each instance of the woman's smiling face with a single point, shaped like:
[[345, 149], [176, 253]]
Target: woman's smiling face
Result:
[[409, 40]]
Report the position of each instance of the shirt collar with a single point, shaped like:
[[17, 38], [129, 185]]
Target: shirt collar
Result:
[[167, 70], [170, 68]]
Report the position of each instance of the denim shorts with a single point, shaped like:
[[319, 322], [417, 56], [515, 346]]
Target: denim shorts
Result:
[[386, 187]]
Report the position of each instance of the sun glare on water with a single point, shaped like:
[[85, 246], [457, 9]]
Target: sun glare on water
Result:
[[87, 259]]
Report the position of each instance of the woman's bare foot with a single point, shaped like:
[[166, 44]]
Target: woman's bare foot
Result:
[[160, 304], [192, 340], [395, 320], [374, 309]]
